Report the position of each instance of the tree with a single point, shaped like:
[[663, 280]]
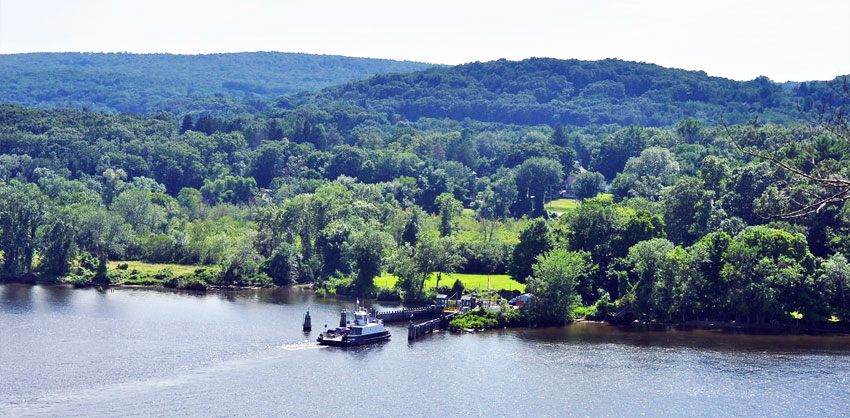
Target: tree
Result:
[[765, 268], [534, 240], [534, 178], [497, 198], [712, 292], [438, 255], [553, 283], [191, 200], [744, 188], [450, 209], [597, 226], [687, 208], [268, 162], [367, 249], [647, 260], [589, 184], [616, 149], [113, 184], [230, 189], [137, 209], [411, 279], [458, 288], [413, 226], [243, 265], [187, 124], [817, 180], [282, 265], [461, 148], [714, 173], [21, 213], [673, 290], [495, 204], [101, 233], [690, 131], [645, 175], [345, 161], [58, 242], [836, 273], [559, 137]]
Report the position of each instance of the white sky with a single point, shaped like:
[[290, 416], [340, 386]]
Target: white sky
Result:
[[740, 39]]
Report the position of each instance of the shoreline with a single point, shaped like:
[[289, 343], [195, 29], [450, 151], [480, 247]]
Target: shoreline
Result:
[[723, 326]]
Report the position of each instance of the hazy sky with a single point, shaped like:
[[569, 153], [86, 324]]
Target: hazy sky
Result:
[[740, 39]]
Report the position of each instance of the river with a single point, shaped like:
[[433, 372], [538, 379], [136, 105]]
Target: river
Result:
[[152, 352]]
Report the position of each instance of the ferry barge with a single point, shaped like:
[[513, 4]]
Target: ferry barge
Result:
[[364, 329]]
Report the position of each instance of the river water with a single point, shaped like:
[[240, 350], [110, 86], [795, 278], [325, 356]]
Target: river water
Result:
[[145, 352]]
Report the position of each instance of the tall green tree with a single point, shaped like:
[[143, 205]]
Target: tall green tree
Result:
[[553, 285], [589, 184], [535, 179], [22, 211], [534, 240], [367, 247], [450, 209], [439, 256], [58, 241], [647, 260], [282, 264], [836, 273]]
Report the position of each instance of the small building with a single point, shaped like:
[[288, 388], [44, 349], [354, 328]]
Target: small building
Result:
[[467, 303]]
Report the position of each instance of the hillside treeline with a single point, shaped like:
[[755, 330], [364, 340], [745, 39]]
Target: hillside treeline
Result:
[[338, 195], [142, 83], [573, 92]]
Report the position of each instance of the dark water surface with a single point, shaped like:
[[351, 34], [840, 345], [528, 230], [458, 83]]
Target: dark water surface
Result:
[[144, 352]]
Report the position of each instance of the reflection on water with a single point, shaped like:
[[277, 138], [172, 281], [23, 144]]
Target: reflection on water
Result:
[[78, 352]]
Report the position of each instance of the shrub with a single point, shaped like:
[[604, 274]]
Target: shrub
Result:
[[193, 283], [186, 281], [457, 288], [163, 275], [484, 319], [604, 308], [388, 294]]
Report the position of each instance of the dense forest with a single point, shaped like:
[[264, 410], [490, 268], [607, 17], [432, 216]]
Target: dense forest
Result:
[[678, 222], [573, 92], [124, 82]]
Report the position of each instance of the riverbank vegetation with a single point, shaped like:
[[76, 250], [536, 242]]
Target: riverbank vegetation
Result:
[[672, 223], [481, 319]]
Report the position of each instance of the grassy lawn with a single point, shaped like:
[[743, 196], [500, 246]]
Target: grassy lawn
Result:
[[561, 205], [149, 268], [470, 281], [566, 205]]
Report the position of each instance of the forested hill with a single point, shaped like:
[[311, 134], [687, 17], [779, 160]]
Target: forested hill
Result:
[[122, 82], [546, 91]]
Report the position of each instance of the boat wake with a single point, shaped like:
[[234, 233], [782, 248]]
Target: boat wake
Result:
[[303, 345]]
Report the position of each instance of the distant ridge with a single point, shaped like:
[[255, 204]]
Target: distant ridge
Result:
[[126, 82], [574, 92]]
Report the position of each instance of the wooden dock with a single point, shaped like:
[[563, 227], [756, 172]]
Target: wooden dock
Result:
[[415, 331], [437, 319], [422, 312]]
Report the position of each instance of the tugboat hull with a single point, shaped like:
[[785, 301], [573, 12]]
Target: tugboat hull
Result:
[[353, 340]]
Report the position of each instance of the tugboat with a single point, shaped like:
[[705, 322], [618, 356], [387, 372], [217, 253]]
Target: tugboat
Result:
[[364, 329]]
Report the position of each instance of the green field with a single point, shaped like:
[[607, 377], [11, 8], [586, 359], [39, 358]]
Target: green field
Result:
[[566, 205], [561, 205], [470, 281], [150, 268]]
